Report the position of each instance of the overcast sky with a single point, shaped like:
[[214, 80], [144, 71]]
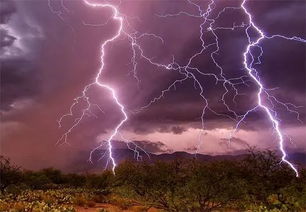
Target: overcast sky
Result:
[[51, 50]]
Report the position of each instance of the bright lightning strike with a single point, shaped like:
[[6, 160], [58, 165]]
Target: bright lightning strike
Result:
[[188, 72], [97, 82], [251, 71]]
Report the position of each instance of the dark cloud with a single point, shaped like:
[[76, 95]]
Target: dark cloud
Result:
[[6, 10], [178, 130], [19, 79], [19, 45], [152, 146], [6, 39], [141, 146], [48, 59], [229, 142]]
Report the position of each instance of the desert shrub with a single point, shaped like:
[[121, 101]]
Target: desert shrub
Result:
[[257, 182], [36, 201], [55, 176], [271, 184], [36, 180], [123, 203], [80, 200], [74, 180], [99, 181], [214, 185], [100, 198], [14, 189], [9, 174], [159, 184]]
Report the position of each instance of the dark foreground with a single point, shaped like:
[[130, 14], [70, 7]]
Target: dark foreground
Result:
[[258, 182]]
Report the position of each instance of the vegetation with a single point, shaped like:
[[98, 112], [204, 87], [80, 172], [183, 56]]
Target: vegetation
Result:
[[257, 183]]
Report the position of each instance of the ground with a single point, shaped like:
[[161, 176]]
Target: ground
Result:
[[114, 208]]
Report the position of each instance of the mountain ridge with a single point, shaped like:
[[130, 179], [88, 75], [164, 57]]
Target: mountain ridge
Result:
[[121, 155]]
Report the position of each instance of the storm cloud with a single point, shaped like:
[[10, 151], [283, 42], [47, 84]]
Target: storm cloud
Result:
[[49, 52]]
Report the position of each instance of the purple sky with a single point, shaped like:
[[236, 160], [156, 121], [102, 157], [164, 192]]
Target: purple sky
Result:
[[49, 52]]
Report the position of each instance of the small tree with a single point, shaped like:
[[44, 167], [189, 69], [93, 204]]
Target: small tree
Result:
[[54, 175], [99, 181], [37, 180], [268, 179], [9, 173], [74, 180], [214, 185], [159, 184]]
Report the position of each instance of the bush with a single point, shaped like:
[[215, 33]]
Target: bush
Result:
[[9, 174], [37, 180], [101, 181], [258, 182], [74, 180]]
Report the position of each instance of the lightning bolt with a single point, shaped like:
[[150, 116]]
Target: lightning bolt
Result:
[[187, 72], [252, 72], [116, 17], [87, 110], [248, 66]]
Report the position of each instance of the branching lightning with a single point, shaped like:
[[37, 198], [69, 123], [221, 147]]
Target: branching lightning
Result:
[[188, 72], [251, 71], [97, 82]]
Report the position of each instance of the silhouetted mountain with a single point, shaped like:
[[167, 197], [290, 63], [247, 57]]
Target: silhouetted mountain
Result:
[[82, 164]]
